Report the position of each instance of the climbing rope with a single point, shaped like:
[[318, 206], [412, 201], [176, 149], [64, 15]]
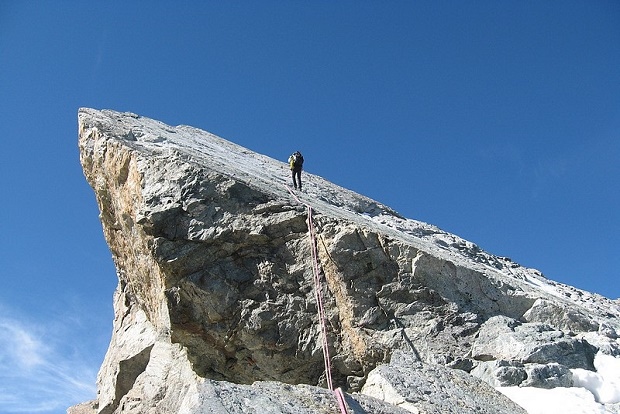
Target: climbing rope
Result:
[[342, 404], [319, 299]]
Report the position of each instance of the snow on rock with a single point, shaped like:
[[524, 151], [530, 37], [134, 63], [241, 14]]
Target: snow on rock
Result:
[[555, 401], [591, 392], [604, 384]]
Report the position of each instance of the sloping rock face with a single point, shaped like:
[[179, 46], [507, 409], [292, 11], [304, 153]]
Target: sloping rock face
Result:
[[216, 311]]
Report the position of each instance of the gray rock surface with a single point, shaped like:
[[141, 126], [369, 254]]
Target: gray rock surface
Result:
[[560, 317], [548, 376], [216, 290], [504, 338], [434, 389], [500, 373]]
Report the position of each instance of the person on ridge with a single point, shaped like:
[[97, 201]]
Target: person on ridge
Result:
[[296, 161]]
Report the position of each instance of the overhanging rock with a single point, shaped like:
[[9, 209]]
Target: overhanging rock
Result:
[[216, 289]]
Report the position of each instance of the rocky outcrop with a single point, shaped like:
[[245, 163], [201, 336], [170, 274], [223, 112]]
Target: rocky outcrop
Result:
[[432, 388], [215, 309]]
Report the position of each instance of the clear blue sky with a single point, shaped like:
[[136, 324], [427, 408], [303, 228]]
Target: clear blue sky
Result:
[[498, 121]]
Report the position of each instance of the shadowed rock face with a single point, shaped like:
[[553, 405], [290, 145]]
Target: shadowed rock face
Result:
[[216, 286]]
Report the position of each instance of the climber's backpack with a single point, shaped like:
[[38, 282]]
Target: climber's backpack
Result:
[[296, 160]]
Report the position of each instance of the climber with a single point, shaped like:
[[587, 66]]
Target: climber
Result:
[[296, 161]]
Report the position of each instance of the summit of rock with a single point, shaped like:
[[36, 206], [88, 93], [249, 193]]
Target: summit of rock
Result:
[[215, 310]]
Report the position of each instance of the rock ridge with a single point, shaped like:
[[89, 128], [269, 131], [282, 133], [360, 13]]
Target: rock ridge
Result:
[[215, 302]]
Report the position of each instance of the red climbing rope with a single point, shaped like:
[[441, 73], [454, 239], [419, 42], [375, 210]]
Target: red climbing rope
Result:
[[342, 404], [319, 299]]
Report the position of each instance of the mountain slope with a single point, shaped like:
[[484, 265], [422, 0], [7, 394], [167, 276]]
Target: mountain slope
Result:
[[216, 288]]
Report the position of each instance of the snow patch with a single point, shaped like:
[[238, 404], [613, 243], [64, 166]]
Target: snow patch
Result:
[[590, 391], [555, 401], [604, 384]]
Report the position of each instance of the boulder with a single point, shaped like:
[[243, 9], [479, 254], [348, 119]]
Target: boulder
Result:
[[547, 376], [433, 389], [503, 338], [500, 373]]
